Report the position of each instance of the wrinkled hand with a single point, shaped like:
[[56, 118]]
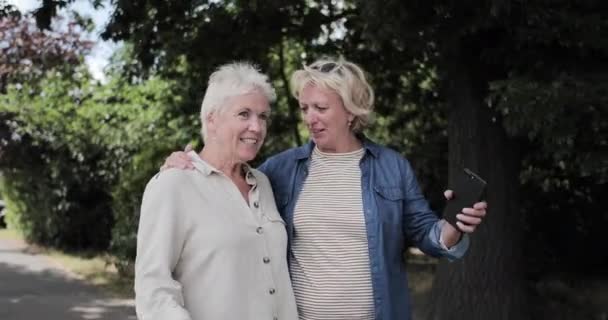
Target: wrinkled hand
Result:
[[469, 218], [179, 160]]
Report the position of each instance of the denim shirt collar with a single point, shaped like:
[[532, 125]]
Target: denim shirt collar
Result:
[[370, 147]]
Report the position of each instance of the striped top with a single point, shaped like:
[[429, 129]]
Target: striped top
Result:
[[330, 262]]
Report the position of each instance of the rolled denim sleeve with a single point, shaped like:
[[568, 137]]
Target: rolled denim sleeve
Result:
[[455, 252]]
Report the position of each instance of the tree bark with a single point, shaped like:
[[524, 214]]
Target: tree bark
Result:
[[488, 283]]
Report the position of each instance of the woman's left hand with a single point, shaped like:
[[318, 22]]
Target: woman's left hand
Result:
[[469, 218]]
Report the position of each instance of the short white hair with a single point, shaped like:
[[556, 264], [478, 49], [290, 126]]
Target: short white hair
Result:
[[230, 80]]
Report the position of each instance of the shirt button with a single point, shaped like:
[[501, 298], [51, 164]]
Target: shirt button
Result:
[[256, 204], [259, 230], [271, 291], [266, 260]]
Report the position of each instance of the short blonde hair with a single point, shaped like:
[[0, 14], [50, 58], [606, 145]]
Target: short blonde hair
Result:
[[229, 80], [347, 79]]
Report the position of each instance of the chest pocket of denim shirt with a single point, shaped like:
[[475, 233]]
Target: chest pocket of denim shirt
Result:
[[390, 203]]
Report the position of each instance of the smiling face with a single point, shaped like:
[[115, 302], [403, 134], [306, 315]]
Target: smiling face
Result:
[[326, 118], [238, 129]]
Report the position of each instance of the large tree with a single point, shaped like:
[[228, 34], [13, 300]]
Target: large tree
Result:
[[517, 77]]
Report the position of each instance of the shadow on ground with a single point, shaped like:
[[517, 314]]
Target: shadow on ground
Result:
[[32, 288]]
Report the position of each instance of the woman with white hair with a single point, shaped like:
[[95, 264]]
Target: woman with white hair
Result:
[[211, 243], [351, 205]]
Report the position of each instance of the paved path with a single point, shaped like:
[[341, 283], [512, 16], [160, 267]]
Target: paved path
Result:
[[34, 287]]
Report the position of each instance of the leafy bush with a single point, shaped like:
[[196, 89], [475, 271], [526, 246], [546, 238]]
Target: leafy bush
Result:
[[70, 144], [152, 138], [54, 176]]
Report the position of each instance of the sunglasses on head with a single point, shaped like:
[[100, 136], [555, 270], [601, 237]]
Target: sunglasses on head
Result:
[[327, 67]]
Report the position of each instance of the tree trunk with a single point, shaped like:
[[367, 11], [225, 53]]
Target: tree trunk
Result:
[[488, 283]]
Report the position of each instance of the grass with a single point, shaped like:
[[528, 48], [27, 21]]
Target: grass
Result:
[[96, 270], [93, 268], [9, 234]]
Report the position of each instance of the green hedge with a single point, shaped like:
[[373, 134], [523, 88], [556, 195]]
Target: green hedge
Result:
[[77, 154]]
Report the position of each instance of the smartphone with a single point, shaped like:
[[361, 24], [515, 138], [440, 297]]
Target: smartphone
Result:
[[468, 189]]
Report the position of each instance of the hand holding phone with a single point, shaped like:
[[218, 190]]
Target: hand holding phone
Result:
[[468, 189]]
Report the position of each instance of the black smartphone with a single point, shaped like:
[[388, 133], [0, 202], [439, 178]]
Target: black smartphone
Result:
[[468, 189]]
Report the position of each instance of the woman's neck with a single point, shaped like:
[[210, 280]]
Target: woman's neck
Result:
[[349, 143], [222, 162]]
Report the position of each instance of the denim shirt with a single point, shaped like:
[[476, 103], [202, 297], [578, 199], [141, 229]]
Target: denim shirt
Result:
[[395, 212]]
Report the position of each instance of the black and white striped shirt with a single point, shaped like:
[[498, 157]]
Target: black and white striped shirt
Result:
[[330, 263]]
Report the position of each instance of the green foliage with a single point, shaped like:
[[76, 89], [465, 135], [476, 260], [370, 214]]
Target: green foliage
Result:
[[61, 186], [78, 137], [563, 116], [565, 164], [168, 36], [162, 134]]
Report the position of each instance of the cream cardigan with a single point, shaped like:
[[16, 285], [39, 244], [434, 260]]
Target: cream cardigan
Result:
[[204, 254]]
